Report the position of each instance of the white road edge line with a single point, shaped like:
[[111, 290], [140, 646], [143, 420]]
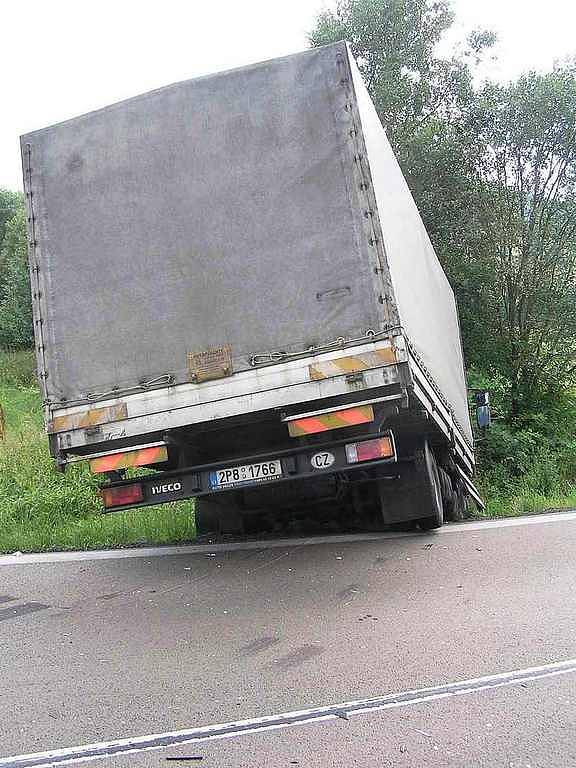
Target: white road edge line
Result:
[[99, 750], [233, 546]]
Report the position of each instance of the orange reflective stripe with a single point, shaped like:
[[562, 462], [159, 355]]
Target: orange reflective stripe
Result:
[[348, 417], [354, 416], [312, 424], [134, 458]]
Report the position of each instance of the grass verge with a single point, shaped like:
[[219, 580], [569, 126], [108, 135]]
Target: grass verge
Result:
[[41, 509], [524, 502], [17, 369]]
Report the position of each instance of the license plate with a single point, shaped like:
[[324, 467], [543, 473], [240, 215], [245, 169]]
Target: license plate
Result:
[[247, 473]]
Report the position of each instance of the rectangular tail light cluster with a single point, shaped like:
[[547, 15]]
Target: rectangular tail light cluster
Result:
[[122, 495], [369, 450]]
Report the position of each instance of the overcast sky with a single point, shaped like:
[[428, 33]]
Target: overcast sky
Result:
[[61, 58]]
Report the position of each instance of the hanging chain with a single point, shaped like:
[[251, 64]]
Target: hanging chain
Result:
[[365, 186], [35, 275]]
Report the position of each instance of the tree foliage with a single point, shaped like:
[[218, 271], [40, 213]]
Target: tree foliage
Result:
[[15, 302], [526, 182], [394, 45], [10, 204]]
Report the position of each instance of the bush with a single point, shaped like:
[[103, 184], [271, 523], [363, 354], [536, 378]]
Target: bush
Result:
[[15, 298], [526, 464]]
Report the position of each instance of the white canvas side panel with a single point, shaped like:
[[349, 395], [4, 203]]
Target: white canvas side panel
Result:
[[424, 298]]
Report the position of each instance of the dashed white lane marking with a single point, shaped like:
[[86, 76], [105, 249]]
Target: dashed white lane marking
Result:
[[204, 548], [346, 709]]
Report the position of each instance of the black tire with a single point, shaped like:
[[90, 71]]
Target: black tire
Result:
[[433, 494]]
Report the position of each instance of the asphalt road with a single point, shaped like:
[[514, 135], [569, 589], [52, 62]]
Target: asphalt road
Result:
[[102, 648]]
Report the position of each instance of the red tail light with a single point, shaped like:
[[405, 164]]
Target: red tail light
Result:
[[379, 448], [122, 495]]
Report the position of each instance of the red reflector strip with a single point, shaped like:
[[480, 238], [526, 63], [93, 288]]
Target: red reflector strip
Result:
[[323, 422], [379, 448], [122, 495], [135, 458]]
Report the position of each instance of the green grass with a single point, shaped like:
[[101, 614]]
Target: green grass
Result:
[[42, 509], [17, 369], [525, 502]]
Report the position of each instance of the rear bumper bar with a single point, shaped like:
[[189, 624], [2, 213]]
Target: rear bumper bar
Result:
[[296, 464]]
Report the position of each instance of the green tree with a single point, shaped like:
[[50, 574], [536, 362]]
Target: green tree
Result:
[[15, 301], [526, 185], [10, 204], [394, 43]]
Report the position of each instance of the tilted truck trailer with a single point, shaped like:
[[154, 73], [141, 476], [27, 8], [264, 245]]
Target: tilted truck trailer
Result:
[[233, 287]]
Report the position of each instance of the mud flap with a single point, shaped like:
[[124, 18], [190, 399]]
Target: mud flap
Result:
[[414, 494]]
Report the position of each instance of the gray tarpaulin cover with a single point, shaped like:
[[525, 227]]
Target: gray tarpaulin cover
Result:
[[223, 211]]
